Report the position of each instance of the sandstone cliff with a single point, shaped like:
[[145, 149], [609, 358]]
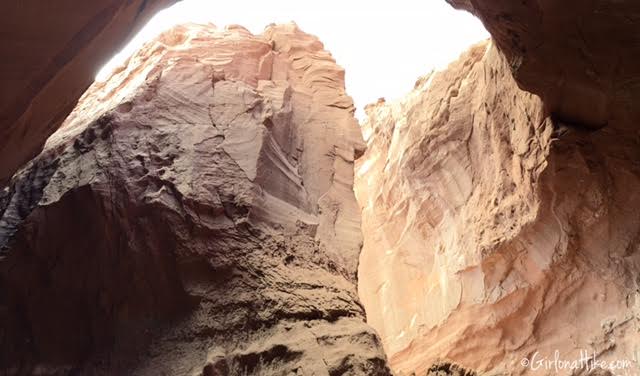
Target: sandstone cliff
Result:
[[193, 215], [580, 56], [51, 51], [492, 231]]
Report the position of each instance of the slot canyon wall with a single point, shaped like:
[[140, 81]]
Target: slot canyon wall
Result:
[[193, 215], [498, 223], [51, 52], [579, 57]]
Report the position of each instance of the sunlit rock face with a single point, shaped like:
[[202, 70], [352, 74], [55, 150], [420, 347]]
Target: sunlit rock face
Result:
[[492, 232], [579, 56], [194, 215], [51, 52]]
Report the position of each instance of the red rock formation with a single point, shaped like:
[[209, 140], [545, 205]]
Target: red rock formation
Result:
[[51, 52], [193, 215], [491, 231], [580, 57]]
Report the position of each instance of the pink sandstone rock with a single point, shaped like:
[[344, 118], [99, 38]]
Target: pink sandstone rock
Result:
[[194, 215], [579, 56], [491, 231]]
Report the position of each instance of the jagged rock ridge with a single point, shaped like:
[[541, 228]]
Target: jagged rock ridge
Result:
[[193, 215]]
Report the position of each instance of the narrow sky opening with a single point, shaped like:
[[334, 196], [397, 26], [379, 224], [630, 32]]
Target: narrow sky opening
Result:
[[383, 45]]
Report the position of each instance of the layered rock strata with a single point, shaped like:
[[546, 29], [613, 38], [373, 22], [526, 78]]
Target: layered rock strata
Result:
[[194, 215], [580, 57], [493, 232]]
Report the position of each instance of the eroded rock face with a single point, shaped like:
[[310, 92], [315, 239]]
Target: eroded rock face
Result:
[[492, 232], [580, 57], [194, 215], [51, 53]]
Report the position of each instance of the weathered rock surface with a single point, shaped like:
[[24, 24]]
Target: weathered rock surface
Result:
[[51, 51], [194, 215], [579, 56], [491, 231]]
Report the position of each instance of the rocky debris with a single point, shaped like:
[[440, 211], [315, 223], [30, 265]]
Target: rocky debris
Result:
[[449, 369], [51, 53], [493, 231], [194, 215], [443, 369], [580, 57]]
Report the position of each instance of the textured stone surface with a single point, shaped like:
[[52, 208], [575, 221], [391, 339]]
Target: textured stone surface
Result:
[[491, 231], [51, 52], [194, 215], [579, 56], [449, 369]]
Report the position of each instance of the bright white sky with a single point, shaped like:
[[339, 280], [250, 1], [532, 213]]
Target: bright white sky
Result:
[[384, 45]]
